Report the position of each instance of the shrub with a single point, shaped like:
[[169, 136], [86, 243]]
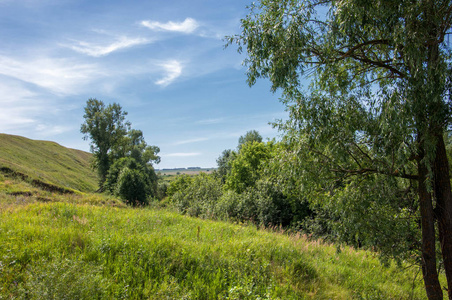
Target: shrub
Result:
[[139, 182], [179, 184], [196, 196], [115, 170], [131, 187], [246, 168], [227, 206]]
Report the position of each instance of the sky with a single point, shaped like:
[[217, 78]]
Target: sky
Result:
[[164, 62]]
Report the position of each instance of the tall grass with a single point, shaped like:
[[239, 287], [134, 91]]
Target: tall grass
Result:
[[47, 162], [59, 250]]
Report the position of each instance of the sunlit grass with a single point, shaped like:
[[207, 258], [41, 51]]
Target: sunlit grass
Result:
[[47, 162], [68, 246]]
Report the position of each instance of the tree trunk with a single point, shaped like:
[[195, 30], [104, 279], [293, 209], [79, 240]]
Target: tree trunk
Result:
[[443, 208], [430, 274]]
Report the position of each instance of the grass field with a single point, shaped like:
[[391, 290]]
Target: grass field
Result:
[[47, 162], [61, 250], [82, 245]]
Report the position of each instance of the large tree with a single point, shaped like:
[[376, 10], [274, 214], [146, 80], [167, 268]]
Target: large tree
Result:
[[107, 128], [379, 103]]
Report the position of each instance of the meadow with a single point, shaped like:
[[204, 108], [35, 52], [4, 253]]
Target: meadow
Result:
[[92, 247], [57, 244]]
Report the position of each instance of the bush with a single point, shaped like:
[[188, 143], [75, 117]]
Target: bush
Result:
[[115, 170], [162, 188], [138, 183], [179, 184], [227, 206], [196, 196], [262, 204], [246, 168], [131, 187]]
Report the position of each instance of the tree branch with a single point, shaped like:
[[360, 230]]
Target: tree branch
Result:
[[375, 171]]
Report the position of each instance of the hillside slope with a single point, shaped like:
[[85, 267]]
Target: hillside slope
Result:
[[47, 163]]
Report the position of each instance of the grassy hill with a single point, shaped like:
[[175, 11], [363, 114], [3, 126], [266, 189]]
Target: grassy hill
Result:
[[59, 245], [45, 162]]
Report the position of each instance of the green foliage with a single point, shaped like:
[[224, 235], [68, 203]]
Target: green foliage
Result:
[[132, 181], [255, 190], [249, 137], [224, 162], [132, 187], [122, 157], [264, 204], [115, 170], [246, 166], [196, 196], [106, 127], [181, 183], [373, 119]]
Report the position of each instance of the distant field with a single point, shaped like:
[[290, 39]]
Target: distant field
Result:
[[184, 171]]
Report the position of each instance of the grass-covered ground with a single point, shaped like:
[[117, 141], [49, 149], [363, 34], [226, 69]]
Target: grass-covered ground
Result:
[[169, 175], [80, 245], [47, 162], [79, 248]]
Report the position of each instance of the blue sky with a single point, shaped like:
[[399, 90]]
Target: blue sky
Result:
[[164, 62]]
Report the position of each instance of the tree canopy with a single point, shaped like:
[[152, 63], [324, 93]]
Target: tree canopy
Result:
[[106, 127], [249, 137], [121, 155], [378, 105]]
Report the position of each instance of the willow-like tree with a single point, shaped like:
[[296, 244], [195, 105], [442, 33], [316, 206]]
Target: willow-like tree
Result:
[[379, 103]]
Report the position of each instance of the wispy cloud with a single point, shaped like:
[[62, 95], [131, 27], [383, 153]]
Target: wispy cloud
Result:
[[50, 130], [210, 121], [181, 154], [122, 42], [27, 112], [190, 141], [60, 76], [189, 25], [173, 69]]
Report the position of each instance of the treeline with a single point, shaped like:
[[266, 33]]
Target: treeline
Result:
[[267, 184], [246, 187]]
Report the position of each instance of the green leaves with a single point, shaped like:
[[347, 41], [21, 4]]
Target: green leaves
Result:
[[372, 119], [246, 166], [122, 157]]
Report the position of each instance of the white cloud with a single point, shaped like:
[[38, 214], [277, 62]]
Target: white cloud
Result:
[[181, 154], [189, 25], [102, 50], [26, 112], [210, 121], [190, 141], [51, 130], [60, 76], [173, 69]]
